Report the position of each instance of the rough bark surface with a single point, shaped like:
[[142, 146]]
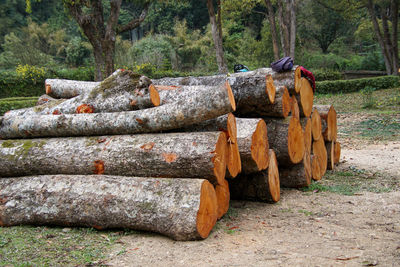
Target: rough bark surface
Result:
[[290, 79], [197, 106], [261, 186], [102, 201], [59, 88], [298, 175], [122, 91], [198, 155], [285, 137]]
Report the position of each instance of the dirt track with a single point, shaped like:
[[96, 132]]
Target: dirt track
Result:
[[303, 229]]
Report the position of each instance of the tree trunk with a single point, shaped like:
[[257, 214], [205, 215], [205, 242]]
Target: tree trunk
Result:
[[261, 186], [290, 79], [198, 155], [395, 47], [101, 201], [329, 121], [285, 137], [195, 106], [223, 198], [217, 37], [292, 28], [283, 25], [121, 91], [297, 176], [59, 88], [272, 24]]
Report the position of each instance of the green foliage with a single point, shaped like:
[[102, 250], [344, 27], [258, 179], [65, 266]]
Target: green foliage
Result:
[[77, 52], [7, 104], [327, 75], [347, 86], [369, 100]]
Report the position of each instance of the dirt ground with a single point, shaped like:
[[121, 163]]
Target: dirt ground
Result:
[[303, 229]]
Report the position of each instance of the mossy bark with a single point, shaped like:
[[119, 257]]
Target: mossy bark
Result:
[[167, 206]]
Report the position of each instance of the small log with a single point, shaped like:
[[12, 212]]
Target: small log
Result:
[[330, 151], [307, 132], [196, 106], [337, 152], [305, 98], [122, 91], [60, 88], [315, 167], [290, 79], [198, 155], [328, 115], [298, 175], [101, 201], [286, 137], [261, 186], [316, 125], [223, 198], [319, 149]]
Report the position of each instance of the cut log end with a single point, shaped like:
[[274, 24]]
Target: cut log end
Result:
[[295, 108], [315, 168], [316, 125], [230, 95], [319, 149], [233, 161], [231, 127], [297, 80], [219, 159], [154, 96], [295, 137], [207, 214], [48, 89], [260, 146], [306, 97], [307, 167], [273, 177], [330, 149], [223, 197], [286, 103], [270, 88], [308, 135], [337, 152]]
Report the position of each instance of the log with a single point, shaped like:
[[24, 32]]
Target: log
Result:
[[295, 110], [261, 186], [223, 198], [298, 175], [286, 137], [306, 124], [305, 98], [43, 99], [197, 106], [198, 155], [315, 167], [61, 88], [319, 149], [337, 152], [328, 115], [102, 201], [290, 79], [330, 151], [316, 125], [122, 91]]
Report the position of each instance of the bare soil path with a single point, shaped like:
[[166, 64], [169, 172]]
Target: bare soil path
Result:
[[306, 228]]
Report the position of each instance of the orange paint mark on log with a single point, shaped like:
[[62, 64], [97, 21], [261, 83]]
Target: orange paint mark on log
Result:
[[101, 140], [122, 69], [3, 200], [98, 167], [45, 99], [85, 108], [107, 199], [194, 144], [169, 157], [148, 146], [56, 112], [133, 103], [139, 121], [98, 227]]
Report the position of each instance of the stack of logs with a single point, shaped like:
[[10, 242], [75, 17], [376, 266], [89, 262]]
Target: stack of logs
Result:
[[164, 155]]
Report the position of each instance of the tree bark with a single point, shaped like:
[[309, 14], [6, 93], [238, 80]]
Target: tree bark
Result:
[[283, 25], [328, 120], [196, 106], [286, 138], [261, 186], [121, 91], [297, 176], [216, 31], [59, 88], [272, 24], [182, 155], [292, 44], [290, 79], [102, 201]]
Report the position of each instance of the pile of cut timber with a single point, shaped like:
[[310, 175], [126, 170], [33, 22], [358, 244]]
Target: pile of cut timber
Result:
[[164, 155]]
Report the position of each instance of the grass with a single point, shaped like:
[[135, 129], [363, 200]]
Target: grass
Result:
[[7, 104], [54, 246]]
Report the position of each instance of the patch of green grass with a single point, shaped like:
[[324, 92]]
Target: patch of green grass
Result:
[[306, 212], [53, 246], [7, 104]]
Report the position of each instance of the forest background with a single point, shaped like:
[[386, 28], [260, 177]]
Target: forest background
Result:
[[42, 39]]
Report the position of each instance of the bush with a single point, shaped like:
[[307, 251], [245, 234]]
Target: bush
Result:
[[347, 86], [327, 75], [7, 104]]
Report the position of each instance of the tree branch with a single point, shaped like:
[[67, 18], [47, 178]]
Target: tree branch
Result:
[[135, 22]]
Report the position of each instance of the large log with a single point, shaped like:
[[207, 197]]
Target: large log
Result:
[[290, 79], [61, 88], [298, 175], [122, 91], [198, 155], [100, 201], [305, 98], [196, 106], [261, 186], [328, 115], [286, 138]]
